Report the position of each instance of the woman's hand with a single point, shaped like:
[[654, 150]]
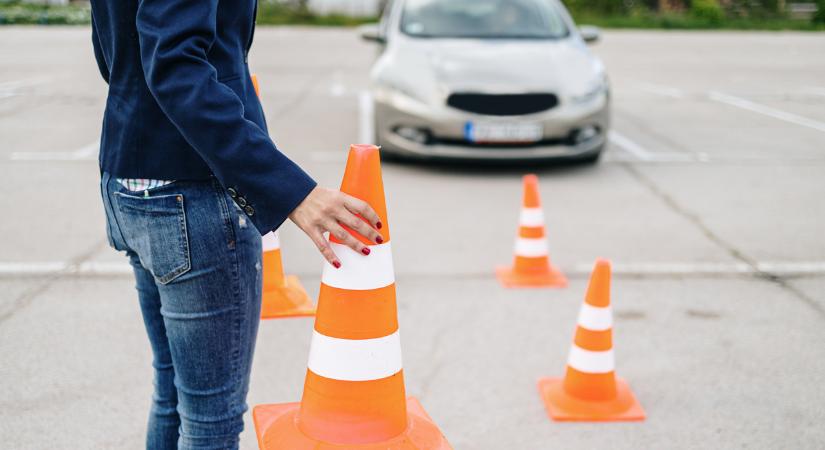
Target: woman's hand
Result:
[[325, 210]]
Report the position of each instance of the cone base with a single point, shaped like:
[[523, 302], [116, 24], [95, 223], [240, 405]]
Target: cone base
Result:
[[565, 408], [277, 428], [552, 278], [289, 301]]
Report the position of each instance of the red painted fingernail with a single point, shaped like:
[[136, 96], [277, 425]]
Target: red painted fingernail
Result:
[[379, 240], [378, 225], [365, 251], [336, 264]]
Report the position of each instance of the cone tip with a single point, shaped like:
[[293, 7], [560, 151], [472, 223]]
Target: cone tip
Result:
[[598, 291], [531, 191], [602, 264], [363, 148]]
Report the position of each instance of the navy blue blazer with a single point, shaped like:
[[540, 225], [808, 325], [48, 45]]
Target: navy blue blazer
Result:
[[181, 103]]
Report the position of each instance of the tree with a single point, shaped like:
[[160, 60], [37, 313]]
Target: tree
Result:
[[819, 16]]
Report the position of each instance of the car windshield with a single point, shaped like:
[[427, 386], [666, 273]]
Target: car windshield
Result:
[[487, 19]]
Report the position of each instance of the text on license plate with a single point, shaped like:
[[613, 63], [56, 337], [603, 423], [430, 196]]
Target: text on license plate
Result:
[[502, 132]]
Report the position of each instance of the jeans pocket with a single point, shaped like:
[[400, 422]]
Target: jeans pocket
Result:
[[155, 228]]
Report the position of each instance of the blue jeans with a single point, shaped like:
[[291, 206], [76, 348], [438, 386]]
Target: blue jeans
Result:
[[197, 264]]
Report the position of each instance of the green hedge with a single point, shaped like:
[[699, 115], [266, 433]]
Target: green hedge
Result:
[[687, 22], [693, 14], [698, 14], [819, 17], [13, 13], [708, 11], [277, 13]]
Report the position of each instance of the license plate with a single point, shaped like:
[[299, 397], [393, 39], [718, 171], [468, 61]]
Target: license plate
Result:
[[502, 132]]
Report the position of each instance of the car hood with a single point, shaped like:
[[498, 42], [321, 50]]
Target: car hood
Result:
[[428, 68]]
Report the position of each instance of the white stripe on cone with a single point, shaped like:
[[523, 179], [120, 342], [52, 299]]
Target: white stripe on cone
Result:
[[531, 217], [271, 241], [595, 318], [589, 361], [360, 272], [355, 359], [531, 247]]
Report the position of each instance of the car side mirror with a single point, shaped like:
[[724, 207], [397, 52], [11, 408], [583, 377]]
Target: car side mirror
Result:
[[371, 33], [589, 33]]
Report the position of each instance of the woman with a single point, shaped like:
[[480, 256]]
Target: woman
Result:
[[190, 182]]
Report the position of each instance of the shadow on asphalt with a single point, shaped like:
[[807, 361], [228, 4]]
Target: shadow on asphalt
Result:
[[492, 168]]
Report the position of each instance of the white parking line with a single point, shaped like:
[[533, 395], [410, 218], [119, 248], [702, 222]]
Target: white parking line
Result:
[[337, 88], [766, 110], [366, 123], [779, 268], [11, 88], [65, 268], [86, 153], [629, 146]]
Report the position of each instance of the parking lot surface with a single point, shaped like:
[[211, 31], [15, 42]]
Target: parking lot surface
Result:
[[709, 202]]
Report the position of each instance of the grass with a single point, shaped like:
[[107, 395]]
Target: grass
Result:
[[686, 22], [16, 13], [278, 14], [19, 13]]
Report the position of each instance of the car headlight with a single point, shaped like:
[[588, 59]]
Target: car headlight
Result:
[[401, 99], [389, 90], [595, 89]]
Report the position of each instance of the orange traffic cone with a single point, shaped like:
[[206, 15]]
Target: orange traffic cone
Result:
[[283, 296], [531, 264], [590, 390], [255, 84], [354, 395]]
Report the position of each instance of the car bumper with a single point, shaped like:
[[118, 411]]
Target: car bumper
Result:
[[447, 127], [399, 145]]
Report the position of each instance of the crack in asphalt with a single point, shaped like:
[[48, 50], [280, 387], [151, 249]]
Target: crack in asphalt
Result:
[[29, 295], [733, 251], [439, 362], [640, 123]]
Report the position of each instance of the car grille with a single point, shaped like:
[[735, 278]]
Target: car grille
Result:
[[503, 104], [482, 145]]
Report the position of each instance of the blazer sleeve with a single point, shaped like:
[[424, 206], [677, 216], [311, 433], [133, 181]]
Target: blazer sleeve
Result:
[[175, 37], [101, 60]]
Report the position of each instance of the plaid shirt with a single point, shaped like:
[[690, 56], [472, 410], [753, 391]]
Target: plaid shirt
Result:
[[142, 184]]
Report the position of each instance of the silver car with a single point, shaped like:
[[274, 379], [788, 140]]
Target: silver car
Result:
[[487, 80]]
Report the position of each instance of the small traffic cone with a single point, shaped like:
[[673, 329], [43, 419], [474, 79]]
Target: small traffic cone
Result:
[[531, 264], [590, 390], [354, 394], [282, 296], [254, 77]]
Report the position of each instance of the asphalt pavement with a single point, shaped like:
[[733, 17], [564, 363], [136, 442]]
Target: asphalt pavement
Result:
[[709, 202]]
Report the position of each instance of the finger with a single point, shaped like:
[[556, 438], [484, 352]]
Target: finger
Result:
[[356, 224], [358, 206], [347, 239], [326, 250]]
